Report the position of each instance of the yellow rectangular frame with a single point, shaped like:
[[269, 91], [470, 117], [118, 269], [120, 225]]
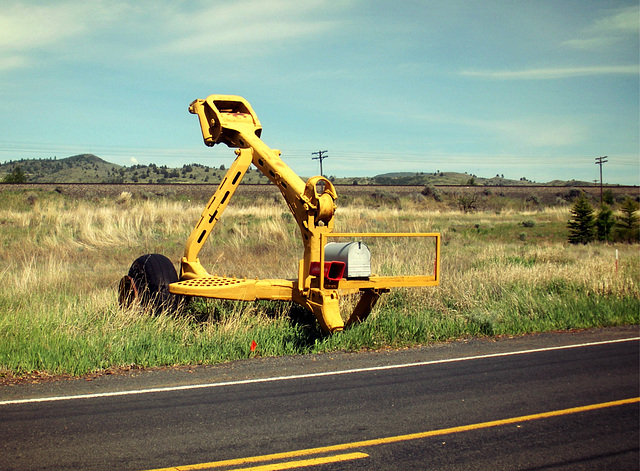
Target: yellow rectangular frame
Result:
[[382, 282]]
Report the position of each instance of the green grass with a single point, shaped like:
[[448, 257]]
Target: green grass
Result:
[[62, 259]]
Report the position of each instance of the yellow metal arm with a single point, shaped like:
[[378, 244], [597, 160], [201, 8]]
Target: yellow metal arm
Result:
[[191, 267], [230, 120]]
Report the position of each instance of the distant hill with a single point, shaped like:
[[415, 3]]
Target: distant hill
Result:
[[78, 168], [436, 178], [89, 168]]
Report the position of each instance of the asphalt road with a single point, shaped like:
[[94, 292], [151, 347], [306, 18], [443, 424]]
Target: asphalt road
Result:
[[524, 403]]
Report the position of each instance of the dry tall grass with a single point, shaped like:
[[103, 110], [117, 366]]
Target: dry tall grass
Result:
[[61, 261]]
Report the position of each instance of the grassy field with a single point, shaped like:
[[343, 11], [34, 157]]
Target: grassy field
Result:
[[504, 272]]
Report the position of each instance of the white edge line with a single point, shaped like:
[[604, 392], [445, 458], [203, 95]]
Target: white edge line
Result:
[[309, 375]]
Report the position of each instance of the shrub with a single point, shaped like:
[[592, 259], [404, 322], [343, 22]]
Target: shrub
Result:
[[607, 197], [383, 197], [467, 202], [534, 199], [124, 198], [431, 191], [573, 193], [16, 176]]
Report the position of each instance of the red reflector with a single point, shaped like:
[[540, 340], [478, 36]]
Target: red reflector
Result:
[[333, 271]]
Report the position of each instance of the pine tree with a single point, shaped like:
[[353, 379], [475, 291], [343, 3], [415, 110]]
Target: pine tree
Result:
[[604, 223], [628, 222], [16, 176], [582, 225]]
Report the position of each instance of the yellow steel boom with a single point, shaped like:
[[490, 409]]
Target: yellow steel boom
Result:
[[230, 120]]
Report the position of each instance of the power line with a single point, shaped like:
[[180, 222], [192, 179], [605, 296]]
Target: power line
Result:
[[195, 151]]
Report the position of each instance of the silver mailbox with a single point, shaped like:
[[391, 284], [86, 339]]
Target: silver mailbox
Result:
[[355, 255]]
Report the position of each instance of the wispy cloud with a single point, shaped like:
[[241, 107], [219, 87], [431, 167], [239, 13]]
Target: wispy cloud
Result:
[[12, 62], [24, 27], [608, 31], [624, 21], [251, 25], [537, 132], [614, 31], [27, 28], [528, 131], [148, 28], [552, 72]]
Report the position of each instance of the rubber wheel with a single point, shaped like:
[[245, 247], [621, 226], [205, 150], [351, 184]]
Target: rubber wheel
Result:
[[148, 282]]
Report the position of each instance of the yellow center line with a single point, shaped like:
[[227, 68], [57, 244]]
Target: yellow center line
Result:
[[400, 438], [306, 463]]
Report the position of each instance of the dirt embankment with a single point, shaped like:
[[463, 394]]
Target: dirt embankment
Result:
[[546, 194]]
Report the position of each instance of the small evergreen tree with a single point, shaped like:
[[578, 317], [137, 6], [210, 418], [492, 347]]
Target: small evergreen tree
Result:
[[628, 225], [607, 197], [582, 225], [604, 223], [16, 176]]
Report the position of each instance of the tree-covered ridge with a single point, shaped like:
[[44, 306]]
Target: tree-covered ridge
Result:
[[89, 168]]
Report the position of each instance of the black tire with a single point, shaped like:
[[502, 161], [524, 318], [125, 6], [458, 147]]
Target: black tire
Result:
[[149, 279]]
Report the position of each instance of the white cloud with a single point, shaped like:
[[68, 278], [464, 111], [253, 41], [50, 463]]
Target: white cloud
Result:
[[251, 25], [25, 26], [27, 29], [538, 132], [591, 44], [75, 29], [529, 131], [12, 62], [625, 21], [257, 36], [553, 72], [608, 31], [615, 30]]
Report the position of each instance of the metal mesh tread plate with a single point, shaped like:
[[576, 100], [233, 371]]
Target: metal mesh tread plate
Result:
[[241, 289], [216, 287], [213, 281]]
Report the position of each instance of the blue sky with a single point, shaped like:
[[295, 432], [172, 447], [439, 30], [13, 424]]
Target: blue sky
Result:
[[534, 89]]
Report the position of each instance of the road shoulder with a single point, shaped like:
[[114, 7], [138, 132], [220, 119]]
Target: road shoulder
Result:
[[260, 368]]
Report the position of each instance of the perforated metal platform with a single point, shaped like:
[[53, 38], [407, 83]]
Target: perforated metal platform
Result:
[[216, 287], [212, 281]]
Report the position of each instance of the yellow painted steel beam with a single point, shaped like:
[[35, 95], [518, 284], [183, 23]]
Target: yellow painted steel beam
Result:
[[212, 212], [382, 282], [230, 120], [220, 287]]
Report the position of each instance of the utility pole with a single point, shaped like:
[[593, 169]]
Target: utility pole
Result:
[[600, 161], [320, 157]]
